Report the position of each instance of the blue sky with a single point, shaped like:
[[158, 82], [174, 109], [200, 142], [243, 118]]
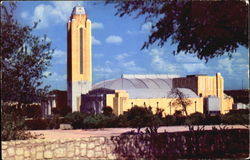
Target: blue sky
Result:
[[116, 44]]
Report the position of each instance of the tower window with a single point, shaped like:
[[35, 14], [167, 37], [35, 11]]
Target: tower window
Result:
[[81, 51]]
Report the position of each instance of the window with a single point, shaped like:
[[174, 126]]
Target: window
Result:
[[81, 51]]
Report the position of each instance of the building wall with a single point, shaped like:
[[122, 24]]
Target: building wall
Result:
[[121, 102], [227, 105], [202, 85], [205, 86], [79, 83]]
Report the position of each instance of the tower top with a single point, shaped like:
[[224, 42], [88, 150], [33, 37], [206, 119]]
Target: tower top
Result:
[[78, 10]]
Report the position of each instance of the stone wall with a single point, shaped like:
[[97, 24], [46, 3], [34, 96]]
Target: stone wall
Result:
[[84, 148], [229, 143]]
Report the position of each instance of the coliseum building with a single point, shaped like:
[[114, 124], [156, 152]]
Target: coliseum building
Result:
[[205, 92]]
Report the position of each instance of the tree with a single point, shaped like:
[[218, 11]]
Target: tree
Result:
[[139, 117], [206, 29], [24, 58], [180, 100]]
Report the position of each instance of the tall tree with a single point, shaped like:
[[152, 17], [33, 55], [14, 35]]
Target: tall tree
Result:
[[24, 58], [206, 29]]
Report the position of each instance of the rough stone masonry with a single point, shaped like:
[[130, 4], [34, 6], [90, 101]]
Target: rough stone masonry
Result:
[[83, 148]]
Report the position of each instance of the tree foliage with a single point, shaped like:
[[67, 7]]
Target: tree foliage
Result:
[[206, 29], [139, 117], [24, 58]]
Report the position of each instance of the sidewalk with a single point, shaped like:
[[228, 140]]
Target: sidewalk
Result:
[[106, 132]]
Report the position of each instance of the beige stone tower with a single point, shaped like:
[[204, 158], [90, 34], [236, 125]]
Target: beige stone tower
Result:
[[79, 61]]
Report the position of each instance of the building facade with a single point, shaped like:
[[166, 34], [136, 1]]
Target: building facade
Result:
[[206, 93], [79, 62]]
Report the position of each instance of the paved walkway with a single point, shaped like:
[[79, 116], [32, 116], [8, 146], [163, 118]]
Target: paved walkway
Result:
[[79, 133]]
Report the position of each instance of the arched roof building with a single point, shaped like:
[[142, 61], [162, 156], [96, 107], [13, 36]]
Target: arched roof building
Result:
[[156, 91], [144, 87]]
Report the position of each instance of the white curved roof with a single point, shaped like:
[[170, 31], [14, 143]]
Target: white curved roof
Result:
[[144, 88]]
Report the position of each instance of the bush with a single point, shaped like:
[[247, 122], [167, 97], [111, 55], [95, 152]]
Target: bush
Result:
[[169, 120], [122, 121], [213, 120], [93, 121], [107, 111], [196, 118], [36, 124], [13, 128], [53, 122], [237, 117], [75, 119], [139, 117]]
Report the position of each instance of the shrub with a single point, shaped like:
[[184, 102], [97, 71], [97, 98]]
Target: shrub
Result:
[[13, 128], [139, 117], [169, 120], [196, 118], [212, 120], [94, 121], [53, 122], [122, 121], [75, 119], [237, 117], [179, 118], [107, 111]]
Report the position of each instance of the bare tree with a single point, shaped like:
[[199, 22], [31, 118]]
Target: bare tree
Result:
[[180, 100]]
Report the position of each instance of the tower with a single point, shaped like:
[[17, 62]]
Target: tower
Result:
[[79, 61]]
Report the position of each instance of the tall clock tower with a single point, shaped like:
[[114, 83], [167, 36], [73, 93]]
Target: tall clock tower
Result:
[[79, 61]]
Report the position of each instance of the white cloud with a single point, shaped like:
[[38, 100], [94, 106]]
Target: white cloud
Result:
[[59, 53], [24, 15], [186, 58], [131, 32], [103, 69], [107, 62], [47, 39], [57, 12], [53, 76], [195, 67], [156, 52], [114, 39], [95, 41], [96, 25], [59, 57], [160, 64], [98, 55], [131, 66], [225, 64], [121, 57], [146, 27], [241, 60], [237, 54]]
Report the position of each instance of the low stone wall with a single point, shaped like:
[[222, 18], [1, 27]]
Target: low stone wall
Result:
[[84, 148], [179, 145]]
